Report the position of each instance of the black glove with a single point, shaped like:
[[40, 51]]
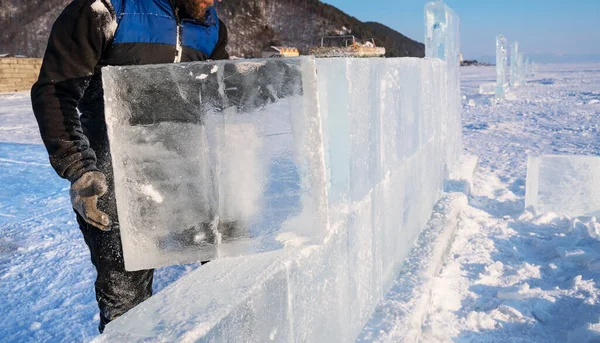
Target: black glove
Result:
[[84, 197]]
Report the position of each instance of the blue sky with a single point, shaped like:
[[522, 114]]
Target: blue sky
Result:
[[540, 26]]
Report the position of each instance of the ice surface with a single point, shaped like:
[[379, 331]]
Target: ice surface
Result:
[[214, 166], [501, 66], [566, 185]]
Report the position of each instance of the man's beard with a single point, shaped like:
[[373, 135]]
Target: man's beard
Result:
[[195, 9]]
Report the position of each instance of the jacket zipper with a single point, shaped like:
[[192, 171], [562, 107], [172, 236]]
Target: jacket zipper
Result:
[[178, 48]]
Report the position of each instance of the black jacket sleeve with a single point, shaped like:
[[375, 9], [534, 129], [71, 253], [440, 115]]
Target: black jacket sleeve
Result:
[[220, 52], [76, 42]]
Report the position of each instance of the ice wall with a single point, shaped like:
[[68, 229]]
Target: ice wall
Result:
[[389, 133], [567, 185], [501, 66], [385, 167]]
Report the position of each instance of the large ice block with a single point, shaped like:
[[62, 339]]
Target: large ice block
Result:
[[514, 65], [442, 41], [567, 185], [501, 66], [521, 68], [215, 159]]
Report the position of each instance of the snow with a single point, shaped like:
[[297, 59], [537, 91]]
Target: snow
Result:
[[18, 123], [511, 275], [399, 316], [110, 23], [46, 277], [515, 275]]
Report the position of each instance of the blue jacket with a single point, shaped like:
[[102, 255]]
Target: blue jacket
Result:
[[90, 34], [155, 24]]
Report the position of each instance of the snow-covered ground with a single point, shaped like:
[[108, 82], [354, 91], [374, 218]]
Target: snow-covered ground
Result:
[[504, 280], [513, 276], [46, 277]]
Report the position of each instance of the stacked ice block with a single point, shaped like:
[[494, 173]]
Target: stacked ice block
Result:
[[363, 149]]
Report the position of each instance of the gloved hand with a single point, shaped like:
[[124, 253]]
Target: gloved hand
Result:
[[84, 197]]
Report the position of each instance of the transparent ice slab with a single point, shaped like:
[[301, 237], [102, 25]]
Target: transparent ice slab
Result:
[[567, 185], [442, 41], [214, 159], [521, 68], [501, 66], [514, 65]]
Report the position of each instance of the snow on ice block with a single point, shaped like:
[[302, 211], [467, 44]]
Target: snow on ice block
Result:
[[566, 185], [215, 159]]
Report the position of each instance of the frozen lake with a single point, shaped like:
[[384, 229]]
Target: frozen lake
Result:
[[510, 274]]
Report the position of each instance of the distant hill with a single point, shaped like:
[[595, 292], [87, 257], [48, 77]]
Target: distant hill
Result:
[[25, 25], [399, 44], [254, 25]]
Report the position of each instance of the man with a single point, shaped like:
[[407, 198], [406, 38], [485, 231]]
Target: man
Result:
[[88, 35]]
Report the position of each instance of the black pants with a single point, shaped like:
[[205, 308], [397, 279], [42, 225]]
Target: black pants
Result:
[[117, 290]]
